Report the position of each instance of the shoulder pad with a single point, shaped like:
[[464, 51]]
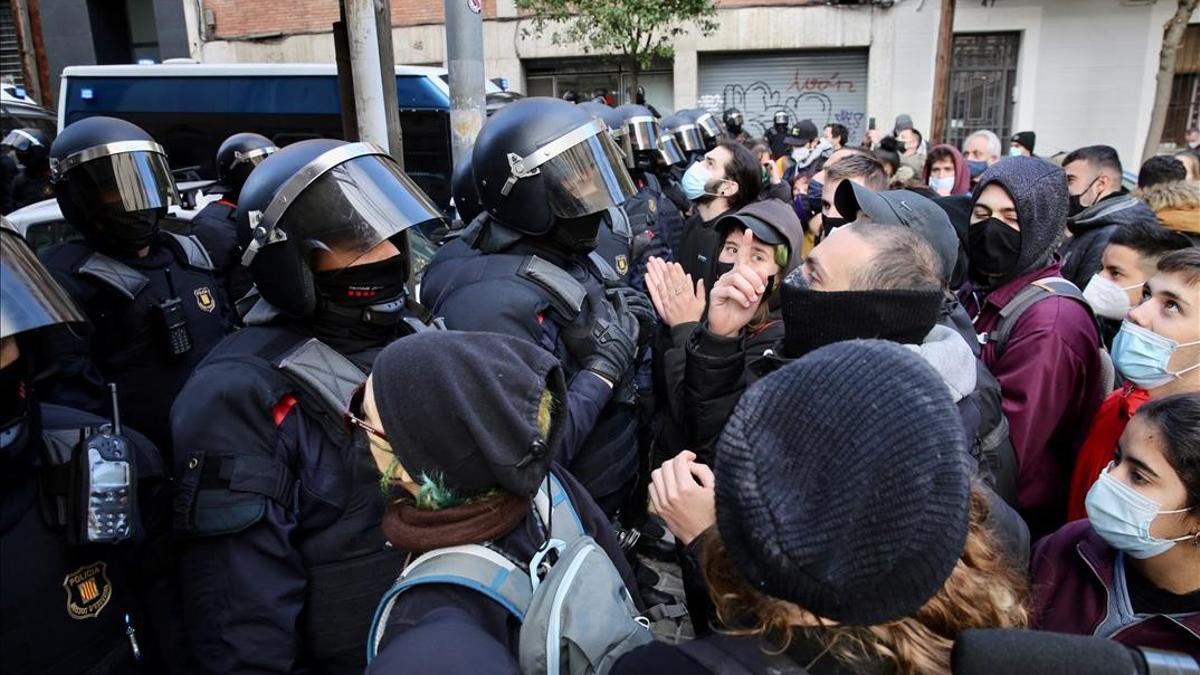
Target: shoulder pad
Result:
[[325, 377], [194, 252], [114, 274], [567, 294], [606, 271], [619, 220]]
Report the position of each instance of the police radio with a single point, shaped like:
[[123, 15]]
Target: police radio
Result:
[[173, 323], [105, 485]]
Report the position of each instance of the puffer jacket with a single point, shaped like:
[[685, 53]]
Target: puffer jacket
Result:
[[1177, 205]]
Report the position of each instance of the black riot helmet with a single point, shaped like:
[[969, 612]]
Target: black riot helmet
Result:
[[112, 182], [323, 195], [542, 161], [29, 297], [710, 128], [236, 158], [616, 126], [781, 120], [462, 188], [31, 147], [734, 120], [570, 96], [686, 133]]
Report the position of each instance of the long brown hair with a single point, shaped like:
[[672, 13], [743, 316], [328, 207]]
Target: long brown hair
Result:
[[983, 591]]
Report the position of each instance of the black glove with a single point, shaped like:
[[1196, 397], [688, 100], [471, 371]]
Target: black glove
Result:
[[640, 306], [605, 342]]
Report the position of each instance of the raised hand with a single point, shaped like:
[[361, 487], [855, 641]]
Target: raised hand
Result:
[[675, 297], [737, 294]]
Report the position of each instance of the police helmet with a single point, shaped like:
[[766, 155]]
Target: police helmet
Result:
[[540, 160], [29, 297], [570, 96], [734, 120], [616, 126], [710, 128], [31, 146], [112, 181], [781, 119], [641, 127], [462, 187], [669, 151], [236, 158], [323, 194], [684, 129]]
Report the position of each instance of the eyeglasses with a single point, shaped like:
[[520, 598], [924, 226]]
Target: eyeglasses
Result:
[[353, 416]]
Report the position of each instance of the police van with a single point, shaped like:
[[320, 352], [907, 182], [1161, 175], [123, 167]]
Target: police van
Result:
[[189, 108]]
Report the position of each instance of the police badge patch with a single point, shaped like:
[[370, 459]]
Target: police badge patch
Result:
[[622, 264], [650, 204], [204, 298], [88, 590]]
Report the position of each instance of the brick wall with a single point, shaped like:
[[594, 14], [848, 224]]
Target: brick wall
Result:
[[244, 18]]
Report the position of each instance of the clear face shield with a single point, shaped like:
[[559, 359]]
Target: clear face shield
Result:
[[346, 202], [689, 138], [669, 150], [583, 171], [709, 126], [29, 297], [119, 178], [644, 133]]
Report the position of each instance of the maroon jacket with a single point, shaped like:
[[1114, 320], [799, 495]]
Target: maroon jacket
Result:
[[1049, 377], [1072, 579]]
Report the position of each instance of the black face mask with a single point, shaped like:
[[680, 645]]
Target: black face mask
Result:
[[129, 232], [813, 319], [577, 235], [1074, 206], [829, 223], [363, 285], [993, 249], [362, 306]]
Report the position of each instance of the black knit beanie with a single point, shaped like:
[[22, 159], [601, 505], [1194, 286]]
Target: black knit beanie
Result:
[[465, 406], [843, 483]]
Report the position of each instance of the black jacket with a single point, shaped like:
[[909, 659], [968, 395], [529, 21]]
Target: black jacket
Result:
[[1090, 230]]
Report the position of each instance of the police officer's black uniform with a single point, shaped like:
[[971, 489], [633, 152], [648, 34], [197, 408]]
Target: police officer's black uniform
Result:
[[76, 595], [32, 184], [278, 504], [155, 307], [546, 172], [215, 225], [777, 135]]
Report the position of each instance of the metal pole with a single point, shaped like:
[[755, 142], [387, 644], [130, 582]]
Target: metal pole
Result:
[[387, 60], [367, 72], [341, 51], [464, 56]]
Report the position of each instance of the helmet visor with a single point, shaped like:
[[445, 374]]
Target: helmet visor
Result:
[[352, 207], [587, 177], [20, 140], [643, 133], [669, 149], [709, 125], [124, 183], [29, 297], [688, 136]]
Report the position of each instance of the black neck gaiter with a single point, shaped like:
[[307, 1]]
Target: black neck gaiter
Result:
[[813, 319], [361, 306]]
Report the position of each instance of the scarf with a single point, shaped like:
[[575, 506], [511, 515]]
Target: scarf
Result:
[[417, 530]]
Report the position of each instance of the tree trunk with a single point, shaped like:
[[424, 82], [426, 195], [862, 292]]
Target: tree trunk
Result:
[[1172, 36], [635, 71]]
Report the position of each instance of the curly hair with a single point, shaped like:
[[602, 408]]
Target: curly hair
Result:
[[984, 590]]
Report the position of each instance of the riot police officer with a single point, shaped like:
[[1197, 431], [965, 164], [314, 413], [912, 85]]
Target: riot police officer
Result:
[[81, 576], [277, 502], [216, 224], [546, 172], [32, 150], [781, 123], [709, 126], [154, 304], [649, 205], [735, 126]]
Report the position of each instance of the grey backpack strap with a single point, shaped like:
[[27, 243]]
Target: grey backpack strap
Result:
[[324, 375], [193, 251], [566, 294], [1027, 297], [556, 509], [471, 566], [114, 274]]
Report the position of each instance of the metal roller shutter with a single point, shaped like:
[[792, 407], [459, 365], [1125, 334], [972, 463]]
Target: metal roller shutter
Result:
[[825, 86], [10, 52]]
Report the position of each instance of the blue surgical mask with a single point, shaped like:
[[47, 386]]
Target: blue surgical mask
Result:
[[942, 185], [1014, 151], [1141, 356], [977, 167], [1122, 517], [694, 182]]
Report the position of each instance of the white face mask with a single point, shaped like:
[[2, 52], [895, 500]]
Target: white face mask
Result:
[[942, 186], [1107, 298], [1122, 517]]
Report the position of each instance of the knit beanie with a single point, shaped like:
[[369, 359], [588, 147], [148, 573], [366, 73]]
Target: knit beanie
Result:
[[1039, 191], [465, 406], [1025, 139], [843, 483]]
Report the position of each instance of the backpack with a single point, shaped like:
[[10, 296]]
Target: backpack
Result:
[[1027, 297], [576, 614]]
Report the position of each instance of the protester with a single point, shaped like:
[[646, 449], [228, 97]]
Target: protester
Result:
[[824, 557], [1098, 204], [1129, 260], [1131, 571], [1164, 186], [1022, 144], [468, 479], [1050, 368], [773, 184], [912, 146], [1191, 160], [946, 172], [809, 150], [981, 149], [1157, 344], [837, 135], [727, 178], [860, 168], [1192, 139]]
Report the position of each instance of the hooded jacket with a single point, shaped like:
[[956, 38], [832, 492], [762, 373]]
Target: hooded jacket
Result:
[[1049, 372], [1177, 205], [962, 175], [1090, 230]]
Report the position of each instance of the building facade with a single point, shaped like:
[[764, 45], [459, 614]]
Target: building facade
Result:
[[1076, 72]]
